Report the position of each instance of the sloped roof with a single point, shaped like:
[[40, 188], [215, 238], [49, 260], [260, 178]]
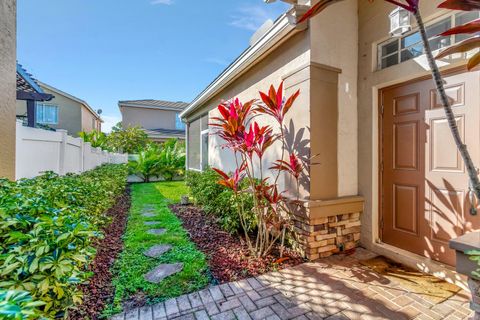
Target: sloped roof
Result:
[[150, 103], [165, 133], [69, 96]]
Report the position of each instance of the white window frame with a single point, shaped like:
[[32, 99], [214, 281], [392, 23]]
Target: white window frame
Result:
[[50, 105], [399, 51], [202, 133]]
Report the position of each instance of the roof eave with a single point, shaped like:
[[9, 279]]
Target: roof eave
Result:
[[247, 59], [68, 95], [131, 105]]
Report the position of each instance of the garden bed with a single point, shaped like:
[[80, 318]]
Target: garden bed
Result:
[[131, 288], [99, 290], [228, 256]]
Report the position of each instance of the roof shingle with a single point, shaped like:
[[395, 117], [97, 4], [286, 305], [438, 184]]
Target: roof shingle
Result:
[[154, 103]]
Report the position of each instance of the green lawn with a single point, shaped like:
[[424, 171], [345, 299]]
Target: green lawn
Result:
[[131, 266]]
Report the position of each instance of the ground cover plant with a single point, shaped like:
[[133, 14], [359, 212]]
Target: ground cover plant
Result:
[[229, 258], [220, 201], [98, 291], [131, 289], [47, 227]]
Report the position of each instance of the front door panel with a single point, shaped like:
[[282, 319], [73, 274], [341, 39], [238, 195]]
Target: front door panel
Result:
[[425, 197]]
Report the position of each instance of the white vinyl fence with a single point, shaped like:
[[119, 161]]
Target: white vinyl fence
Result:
[[39, 150]]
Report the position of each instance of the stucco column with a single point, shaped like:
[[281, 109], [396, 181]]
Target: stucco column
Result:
[[323, 132], [8, 11]]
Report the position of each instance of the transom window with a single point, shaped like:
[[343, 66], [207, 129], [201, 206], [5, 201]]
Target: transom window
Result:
[[410, 46], [47, 113]]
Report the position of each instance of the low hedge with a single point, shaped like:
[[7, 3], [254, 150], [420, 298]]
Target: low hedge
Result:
[[47, 225], [218, 200]]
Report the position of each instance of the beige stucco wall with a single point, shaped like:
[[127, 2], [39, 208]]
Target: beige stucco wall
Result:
[[148, 118], [373, 29], [8, 9], [72, 115], [277, 66], [324, 67], [89, 121], [335, 43], [69, 113]]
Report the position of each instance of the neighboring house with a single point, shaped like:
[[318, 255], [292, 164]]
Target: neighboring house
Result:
[[64, 111], [389, 173], [160, 119]]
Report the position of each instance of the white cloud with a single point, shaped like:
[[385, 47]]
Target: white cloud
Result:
[[110, 121], [166, 2], [251, 17]]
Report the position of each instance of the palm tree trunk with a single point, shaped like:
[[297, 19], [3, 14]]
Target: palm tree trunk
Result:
[[437, 77]]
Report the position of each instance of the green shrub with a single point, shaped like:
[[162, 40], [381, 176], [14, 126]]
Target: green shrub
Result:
[[47, 225], [218, 200], [16, 304], [166, 160]]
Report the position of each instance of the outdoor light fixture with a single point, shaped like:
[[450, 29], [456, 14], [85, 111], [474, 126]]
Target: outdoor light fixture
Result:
[[399, 22]]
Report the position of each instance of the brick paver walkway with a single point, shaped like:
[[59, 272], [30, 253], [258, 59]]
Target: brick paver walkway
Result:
[[334, 288]]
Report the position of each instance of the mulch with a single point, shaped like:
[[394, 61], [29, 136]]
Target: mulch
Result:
[[228, 256], [99, 290]]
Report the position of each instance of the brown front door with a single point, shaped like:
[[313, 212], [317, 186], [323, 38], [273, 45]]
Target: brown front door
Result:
[[424, 186]]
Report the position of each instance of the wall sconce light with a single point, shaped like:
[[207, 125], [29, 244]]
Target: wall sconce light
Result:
[[399, 22]]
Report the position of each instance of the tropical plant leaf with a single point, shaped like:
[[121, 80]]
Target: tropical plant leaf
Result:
[[473, 61], [470, 27], [464, 5], [463, 46]]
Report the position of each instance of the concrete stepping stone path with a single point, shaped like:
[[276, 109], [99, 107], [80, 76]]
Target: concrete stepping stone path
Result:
[[157, 232], [151, 223], [163, 271], [148, 214], [157, 251]]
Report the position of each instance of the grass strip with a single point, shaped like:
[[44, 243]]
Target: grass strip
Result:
[[131, 289]]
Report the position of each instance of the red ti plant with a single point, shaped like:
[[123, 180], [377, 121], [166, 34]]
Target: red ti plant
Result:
[[249, 141]]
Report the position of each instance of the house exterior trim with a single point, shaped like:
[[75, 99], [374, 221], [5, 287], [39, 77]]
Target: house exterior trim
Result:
[[131, 105], [281, 31]]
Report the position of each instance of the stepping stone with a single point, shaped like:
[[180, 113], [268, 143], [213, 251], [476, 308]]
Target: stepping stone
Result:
[[157, 232], [151, 223], [157, 251], [163, 271], [149, 215]]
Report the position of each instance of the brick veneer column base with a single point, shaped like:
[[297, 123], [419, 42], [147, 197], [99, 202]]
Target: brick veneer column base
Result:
[[328, 227]]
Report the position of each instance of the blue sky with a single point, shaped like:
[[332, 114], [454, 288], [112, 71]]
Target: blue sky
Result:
[[103, 51]]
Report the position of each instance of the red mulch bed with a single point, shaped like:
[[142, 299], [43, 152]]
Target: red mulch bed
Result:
[[99, 289], [228, 255]]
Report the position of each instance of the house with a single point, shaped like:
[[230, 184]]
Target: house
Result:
[[390, 177], [160, 119], [8, 11], [64, 111]]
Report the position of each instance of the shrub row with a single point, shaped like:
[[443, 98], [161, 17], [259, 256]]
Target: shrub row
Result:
[[218, 200], [47, 225]]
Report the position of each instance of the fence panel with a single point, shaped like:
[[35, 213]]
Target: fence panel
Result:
[[39, 150]]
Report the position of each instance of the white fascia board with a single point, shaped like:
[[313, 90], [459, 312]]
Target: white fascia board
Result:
[[281, 28]]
